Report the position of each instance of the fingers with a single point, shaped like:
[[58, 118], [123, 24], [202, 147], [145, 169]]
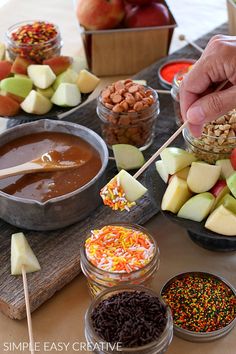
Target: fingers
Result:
[[209, 107]]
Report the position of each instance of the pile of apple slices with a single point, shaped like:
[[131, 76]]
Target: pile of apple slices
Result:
[[34, 88], [197, 190]]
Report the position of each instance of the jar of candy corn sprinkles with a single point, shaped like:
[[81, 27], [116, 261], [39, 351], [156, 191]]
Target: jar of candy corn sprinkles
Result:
[[119, 254], [33, 40]]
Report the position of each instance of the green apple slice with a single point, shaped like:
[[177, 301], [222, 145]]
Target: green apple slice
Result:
[[41, 75], [198, 207], [222, 221], [176, 159], [163, 173], [176, 194], [48, 93], [231, 183], [228, 202], [226, 168], [66, 95], [127, 157], [133, 189], [19, 86], [202, 176], [87, 82], [22, 254], [36, 103], [69, 77]]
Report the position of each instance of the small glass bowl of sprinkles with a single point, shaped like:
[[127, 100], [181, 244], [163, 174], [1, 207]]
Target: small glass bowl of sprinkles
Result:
[[203, 306], [119, 254], [129, 319], [33, 40]]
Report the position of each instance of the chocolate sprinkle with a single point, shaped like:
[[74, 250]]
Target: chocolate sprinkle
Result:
[[130, 318]]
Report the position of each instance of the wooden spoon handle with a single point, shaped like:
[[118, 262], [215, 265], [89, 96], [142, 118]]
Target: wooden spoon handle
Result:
[[24, 168], [31, 167]]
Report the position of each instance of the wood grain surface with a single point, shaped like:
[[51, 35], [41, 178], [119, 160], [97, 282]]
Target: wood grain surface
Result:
[[58, 251]]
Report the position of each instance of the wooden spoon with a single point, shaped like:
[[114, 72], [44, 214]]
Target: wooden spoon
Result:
[[49, 161]]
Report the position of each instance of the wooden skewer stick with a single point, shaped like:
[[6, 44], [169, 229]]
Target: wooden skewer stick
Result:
[[165, 92], [27, 303], [157, 153], [182, 37], [169, 141]]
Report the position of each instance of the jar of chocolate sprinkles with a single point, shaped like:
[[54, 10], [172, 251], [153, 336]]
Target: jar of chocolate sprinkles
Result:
[[128, 319], [119, 254]]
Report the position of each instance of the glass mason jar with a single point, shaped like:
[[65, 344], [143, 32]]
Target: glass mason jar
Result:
[[209, 148], [134, 128], [99, 279], [158, 346], [36, 51], [175, 94]]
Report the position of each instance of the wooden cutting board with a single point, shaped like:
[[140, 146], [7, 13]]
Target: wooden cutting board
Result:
[[58, 251]]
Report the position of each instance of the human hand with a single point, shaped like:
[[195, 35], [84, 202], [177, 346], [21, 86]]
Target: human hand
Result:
[[199, 104]]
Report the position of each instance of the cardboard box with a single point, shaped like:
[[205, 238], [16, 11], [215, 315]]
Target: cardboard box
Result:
[[126, 51], [231, 6]]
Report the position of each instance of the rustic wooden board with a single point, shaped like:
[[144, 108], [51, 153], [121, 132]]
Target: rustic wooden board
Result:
[[58, 251]]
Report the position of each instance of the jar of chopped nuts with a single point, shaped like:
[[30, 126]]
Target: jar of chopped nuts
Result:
[[217, 141], [128, 113]]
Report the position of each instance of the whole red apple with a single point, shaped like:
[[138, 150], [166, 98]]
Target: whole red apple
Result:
[[139, 2], [148, 16], [100, 14]]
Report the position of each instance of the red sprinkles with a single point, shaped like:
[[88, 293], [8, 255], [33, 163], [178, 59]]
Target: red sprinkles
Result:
[[35, 41]]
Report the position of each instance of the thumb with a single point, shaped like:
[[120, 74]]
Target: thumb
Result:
[[211, 107]]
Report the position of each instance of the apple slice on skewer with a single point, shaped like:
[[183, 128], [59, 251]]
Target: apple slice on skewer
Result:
[[127, 157], [23, 260], [22, 254], [122, 191]]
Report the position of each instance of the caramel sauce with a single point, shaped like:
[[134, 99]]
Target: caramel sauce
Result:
[[59, 147]]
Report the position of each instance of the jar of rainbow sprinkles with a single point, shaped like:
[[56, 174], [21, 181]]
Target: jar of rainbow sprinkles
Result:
[[119, 254]]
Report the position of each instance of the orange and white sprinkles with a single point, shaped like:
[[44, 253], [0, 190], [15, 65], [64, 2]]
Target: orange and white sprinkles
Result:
[[119, 249], [114, 196]]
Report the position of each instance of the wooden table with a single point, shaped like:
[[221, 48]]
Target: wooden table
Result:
[[59, 323]]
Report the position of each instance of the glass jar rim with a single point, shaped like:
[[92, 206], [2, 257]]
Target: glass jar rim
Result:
[[155, 258], [117, 289], [155, 104], [17, 25], [187, 134]]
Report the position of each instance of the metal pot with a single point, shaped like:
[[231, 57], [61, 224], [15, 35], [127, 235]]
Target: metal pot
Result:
[[60, 211]]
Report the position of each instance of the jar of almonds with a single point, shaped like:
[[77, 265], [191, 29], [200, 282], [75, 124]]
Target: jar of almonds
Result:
[[217, 141], [128, 112]]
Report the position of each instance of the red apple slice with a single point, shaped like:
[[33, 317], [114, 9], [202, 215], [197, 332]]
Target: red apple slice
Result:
[[233, 158], [20, 65], [5, 69], [58, 64], [8, 107]]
